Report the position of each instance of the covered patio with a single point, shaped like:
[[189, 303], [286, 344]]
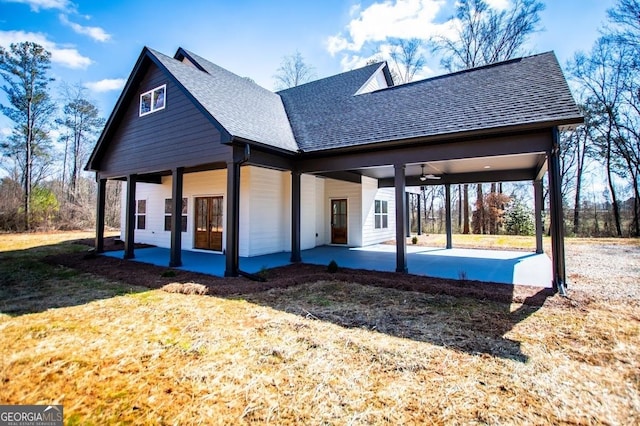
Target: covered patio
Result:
[[500, 266]]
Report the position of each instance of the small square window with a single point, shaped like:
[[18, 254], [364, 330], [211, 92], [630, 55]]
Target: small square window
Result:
[[153, 100]]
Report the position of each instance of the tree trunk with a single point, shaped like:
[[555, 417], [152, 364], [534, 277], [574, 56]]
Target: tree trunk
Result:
[[579, 168], [614, 198], [27, 173]]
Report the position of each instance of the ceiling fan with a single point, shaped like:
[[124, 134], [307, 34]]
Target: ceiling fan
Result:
[[429, 176]]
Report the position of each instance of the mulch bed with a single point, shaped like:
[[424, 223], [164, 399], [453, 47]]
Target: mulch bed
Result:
[[151, 276]]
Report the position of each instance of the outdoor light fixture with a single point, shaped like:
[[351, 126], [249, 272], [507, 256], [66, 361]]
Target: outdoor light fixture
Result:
[[424, 177]]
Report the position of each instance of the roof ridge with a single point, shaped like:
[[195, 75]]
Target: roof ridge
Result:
[[468, 70], [375, 65]]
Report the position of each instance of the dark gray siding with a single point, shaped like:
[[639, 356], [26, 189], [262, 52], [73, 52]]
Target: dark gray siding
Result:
[[177, 136]]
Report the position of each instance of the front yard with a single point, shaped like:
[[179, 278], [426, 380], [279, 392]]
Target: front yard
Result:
[[321, 352]]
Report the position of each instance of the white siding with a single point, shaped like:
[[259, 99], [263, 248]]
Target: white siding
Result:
[[335, 189], [212, 183], [308, 199], [265, 209], [267, 227], [370, 193], [376, 82], [320, 216]]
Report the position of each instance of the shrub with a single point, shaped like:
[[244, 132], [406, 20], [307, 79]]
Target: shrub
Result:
[[519, 219], [414, 240], [332, 267]]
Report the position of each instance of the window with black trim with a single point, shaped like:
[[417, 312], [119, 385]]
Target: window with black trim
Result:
[[141, 214], [381, 214], [153, 100], [168, 208]]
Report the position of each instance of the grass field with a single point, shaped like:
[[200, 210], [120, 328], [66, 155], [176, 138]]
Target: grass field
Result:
[[318, 353]]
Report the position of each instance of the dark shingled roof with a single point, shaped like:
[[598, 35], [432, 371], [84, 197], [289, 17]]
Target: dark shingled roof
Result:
[[243, 108], [325, 114]]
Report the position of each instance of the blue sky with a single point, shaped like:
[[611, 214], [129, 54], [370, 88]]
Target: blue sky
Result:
[[96, 43]]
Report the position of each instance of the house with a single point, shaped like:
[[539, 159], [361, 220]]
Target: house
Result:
[[212, 161]]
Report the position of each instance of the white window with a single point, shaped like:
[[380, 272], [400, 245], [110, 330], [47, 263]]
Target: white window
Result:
[[141, 214], [381, 214], [153, 100], [168, 208]]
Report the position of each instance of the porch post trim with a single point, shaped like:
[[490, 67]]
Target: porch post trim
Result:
[[233, 220], [176, 217], [401, 199], [447, 193], [100, 207], [537, 196], [130, 221], [295, 216]]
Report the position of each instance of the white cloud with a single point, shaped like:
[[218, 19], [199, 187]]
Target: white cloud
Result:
[[95, 33], [390, 18], [498, 4], [106, 85], [66, 56], [36, 5]]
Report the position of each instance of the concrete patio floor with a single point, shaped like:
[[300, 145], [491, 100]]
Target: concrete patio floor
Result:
[[508, 267]]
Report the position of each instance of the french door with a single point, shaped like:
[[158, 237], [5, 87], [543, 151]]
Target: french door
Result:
[[209, 223], [339, 230]]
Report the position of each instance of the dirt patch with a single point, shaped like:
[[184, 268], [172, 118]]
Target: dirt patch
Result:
[[152, 276]]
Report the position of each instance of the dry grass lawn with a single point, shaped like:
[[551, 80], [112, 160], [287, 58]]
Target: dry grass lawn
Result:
[[318, 353]]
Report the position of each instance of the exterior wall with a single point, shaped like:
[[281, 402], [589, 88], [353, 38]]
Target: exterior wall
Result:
[[267, 224], [321, 218], [265, 209], [211, 183], [370, 193], [178, 135], [352, 192], [308, 209]]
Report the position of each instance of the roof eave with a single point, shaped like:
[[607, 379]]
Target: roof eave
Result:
[[569, 122]]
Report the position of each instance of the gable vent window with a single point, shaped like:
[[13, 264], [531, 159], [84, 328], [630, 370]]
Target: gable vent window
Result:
[[153, 100]]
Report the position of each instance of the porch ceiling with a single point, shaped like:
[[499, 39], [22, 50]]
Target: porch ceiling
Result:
[[502, 163]]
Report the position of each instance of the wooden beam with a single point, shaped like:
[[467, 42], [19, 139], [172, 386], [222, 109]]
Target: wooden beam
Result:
[[447, 207], [100, 207], [295, 217], [401, 242], [475, 177], [416, 152], [538, 207], [232, 260], [557, 219], [130, 221], [176, 217]]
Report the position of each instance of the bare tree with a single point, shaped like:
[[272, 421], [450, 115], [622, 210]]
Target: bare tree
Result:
[[24, 68], [602, 76], [81, 124], [293, 71], [407, 57], [485, 35], [625, 17]]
